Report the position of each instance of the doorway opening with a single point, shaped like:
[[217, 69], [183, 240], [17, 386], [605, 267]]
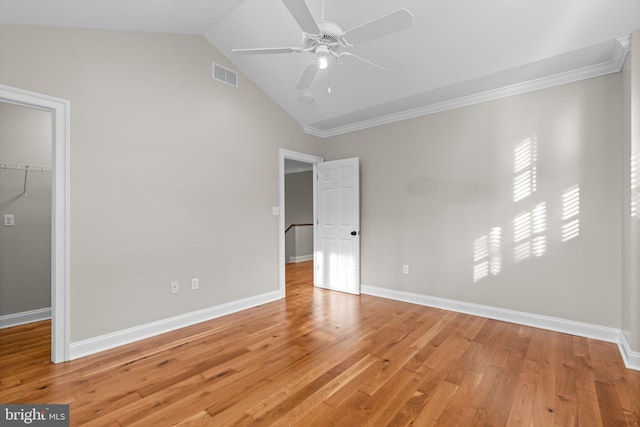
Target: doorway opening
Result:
[[59, 110], [297, 212], [298, 220], [25, 209]]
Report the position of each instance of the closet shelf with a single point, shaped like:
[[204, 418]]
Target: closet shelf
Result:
[[26, 168]]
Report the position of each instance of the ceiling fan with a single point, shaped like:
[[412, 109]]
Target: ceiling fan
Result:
[[326, 40]]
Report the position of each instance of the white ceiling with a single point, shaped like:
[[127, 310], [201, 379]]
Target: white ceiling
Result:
[[458, 52], [294, 166]]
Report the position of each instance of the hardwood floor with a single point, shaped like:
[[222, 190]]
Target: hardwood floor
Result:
[[322, 358]]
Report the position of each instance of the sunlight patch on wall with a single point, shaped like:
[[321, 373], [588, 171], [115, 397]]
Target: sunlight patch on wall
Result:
[[521, 235], [495, 251], [529, 230], [487, 254], [635, 191], [539, 219], [480, 258], [525, 169], [570, 213]]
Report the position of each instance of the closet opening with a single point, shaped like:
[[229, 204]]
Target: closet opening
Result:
[[59, 114], [25, 215]]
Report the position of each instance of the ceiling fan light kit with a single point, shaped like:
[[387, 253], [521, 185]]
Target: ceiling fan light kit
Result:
[[322, 53], [324, 39]]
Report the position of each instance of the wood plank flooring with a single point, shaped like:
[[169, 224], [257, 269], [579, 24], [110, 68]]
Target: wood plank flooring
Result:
[[321, 358]]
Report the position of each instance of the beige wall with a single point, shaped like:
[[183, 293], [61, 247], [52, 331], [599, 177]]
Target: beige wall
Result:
[[172, 173], [154, 141], [432, 187], [634, 304], [631, 225], [25, 248]]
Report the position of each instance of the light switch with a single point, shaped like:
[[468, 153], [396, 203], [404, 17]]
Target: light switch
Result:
[[276, 210], [9, 220]]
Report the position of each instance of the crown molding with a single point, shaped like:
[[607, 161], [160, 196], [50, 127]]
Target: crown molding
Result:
[[313, 131], [613, 65]]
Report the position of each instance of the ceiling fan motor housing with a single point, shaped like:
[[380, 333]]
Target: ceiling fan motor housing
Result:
[[330, 34]]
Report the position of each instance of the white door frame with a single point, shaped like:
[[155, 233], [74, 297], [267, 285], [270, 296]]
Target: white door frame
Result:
[[60, 110], [307, 158]]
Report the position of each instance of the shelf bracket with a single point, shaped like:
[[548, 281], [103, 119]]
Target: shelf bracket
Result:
[[26, 174]]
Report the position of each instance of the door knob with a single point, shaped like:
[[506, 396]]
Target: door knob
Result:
[[354, 233]]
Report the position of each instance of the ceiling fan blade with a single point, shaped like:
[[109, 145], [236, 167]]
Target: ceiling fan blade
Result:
[[397, 21], [365, 66], [308, 75], [266, 50], [303, 16]]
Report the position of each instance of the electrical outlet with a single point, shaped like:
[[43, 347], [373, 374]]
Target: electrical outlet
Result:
[[405, 269], [9, 220], [175, 287], [195, 283]]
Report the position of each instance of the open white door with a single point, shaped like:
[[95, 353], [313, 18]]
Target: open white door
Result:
[[337, 241]]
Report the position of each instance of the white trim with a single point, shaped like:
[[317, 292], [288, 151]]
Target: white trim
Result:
[[587, 330], [127, 336], [621, 49], [16, 319], [613, 65], [301, 157], [631, 358], [60, 252], [301, 258]]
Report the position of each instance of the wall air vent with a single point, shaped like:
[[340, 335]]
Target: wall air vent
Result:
[[225, 75]]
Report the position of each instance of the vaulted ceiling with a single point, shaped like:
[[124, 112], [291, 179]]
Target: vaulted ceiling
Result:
[[457, 52]]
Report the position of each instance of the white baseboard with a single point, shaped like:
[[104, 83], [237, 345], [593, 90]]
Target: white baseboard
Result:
[[631, 358], [301, 258], [16, 319], [587, 330], [116, 339]]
